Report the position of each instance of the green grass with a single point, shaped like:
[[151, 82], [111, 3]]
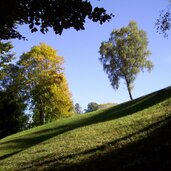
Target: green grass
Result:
[[133, 135]]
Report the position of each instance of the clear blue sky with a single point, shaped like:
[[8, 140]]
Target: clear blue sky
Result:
[[87, 81]]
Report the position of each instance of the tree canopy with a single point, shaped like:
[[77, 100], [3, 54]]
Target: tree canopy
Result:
[[124, 55], [92, 106], [45, 83], [12, 106], [42, 15]]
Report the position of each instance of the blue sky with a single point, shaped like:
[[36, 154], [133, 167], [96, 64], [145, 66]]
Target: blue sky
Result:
[[86, 79]]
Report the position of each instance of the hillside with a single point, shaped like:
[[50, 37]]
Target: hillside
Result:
[[134, 135]]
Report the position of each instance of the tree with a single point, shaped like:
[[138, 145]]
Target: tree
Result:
[[56, 14], [12, 106], [92, 106], [12, 117], [45, 83], [5, 57], [78, 109], [124, 55]]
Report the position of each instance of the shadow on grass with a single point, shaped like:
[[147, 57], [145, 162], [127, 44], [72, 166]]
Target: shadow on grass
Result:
[[8, 155], [118, 111], [150, 153]]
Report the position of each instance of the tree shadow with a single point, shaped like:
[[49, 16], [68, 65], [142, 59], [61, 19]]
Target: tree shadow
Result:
[[8, 155], [115, 112], [150, 153]]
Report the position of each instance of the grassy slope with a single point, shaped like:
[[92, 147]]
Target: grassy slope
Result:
[[132, 135]]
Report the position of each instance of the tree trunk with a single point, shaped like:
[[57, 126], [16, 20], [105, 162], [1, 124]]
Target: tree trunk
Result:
[[129, 91], [42, 114], [128, 87], [42, 117]]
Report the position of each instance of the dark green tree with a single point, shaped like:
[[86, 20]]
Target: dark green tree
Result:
[[124, 55], [12, 106], [12, 117], [42, 15], [92, 106], [78, 109]]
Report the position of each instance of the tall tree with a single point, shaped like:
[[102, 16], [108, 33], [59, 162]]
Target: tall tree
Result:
[[124, 55], [56, 14], [45, 83], [12, 106], [78, 109]]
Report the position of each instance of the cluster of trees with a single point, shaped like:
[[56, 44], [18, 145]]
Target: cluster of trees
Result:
[[12, 106], [92, 106], [36, 82]]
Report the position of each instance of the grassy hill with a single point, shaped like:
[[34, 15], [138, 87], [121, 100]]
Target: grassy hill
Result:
[[134, 135]]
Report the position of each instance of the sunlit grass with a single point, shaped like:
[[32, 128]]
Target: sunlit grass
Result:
[[75, 141]]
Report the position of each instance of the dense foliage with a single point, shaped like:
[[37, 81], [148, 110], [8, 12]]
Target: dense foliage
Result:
[[35, 84], [12, 117], [124, 55], [45, 83], [92, 106], [56, 14], [12, 106]]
